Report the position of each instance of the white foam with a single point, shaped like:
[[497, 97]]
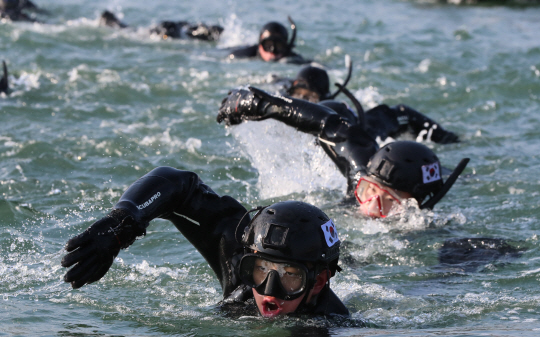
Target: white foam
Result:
[[288, 161]]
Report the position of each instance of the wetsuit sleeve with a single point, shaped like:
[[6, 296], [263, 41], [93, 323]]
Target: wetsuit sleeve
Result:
[[384, 121], [244, 52], [294, 58], [207, 220]]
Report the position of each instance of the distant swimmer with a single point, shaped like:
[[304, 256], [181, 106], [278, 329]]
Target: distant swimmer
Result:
[[170, 29], [381, 180], [15, 10], [313, 84], [4, 84], [273, 46], [469, 254], [277, 263]]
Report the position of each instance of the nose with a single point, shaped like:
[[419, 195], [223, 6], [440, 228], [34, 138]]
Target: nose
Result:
[[372, 207]]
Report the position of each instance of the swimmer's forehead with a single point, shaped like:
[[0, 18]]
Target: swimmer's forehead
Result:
[[266, 34]]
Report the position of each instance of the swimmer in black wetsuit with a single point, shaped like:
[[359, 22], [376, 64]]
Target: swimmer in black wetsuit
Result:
[[312, 84], [14, 10], [4, 84], [273, 46], [380, 179], [280, 261], [170, 29]]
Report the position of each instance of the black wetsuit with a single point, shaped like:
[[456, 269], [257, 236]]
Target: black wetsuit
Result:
[[210, 223], [14, 10], [4, 83], [16, 15], [179, 29], [253, 51], [170, 29]]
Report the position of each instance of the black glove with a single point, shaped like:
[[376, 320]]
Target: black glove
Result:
[[240, 105], [94, 250], [244, 104], [442, 136]]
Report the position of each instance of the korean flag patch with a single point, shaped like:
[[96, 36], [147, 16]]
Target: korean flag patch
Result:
[[431, 173], [330, 233]]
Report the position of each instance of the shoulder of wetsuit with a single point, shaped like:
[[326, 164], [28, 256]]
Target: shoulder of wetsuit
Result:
[[236, 306], [245, 52], [382, 108], [471, 253], [294, 58], [328, 304], [172, 29], [18, 16]]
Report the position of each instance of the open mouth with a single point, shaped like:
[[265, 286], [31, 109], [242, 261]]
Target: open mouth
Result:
[[270, 308]]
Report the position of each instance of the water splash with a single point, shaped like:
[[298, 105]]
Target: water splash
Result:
[[288, 161]]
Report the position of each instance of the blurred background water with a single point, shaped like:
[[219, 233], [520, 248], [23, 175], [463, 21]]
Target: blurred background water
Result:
[[92, 109]]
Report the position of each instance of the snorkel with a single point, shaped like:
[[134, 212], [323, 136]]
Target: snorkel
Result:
[[293, 28], [4, 84], [348, 64]]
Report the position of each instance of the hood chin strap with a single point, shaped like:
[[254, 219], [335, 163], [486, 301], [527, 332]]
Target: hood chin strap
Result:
[[447, 185]]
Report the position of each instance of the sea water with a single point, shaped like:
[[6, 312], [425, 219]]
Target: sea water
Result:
[[92, 109]]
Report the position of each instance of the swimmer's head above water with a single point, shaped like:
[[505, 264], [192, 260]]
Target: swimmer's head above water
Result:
[[291, 252], [274, 41], [399, 171], [313, 84]]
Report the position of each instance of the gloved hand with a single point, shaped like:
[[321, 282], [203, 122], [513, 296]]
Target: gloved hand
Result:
[[94, 250], [248, 104], [240, 105], [442, 136]]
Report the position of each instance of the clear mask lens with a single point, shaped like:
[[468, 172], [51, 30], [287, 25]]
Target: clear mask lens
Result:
[[275, 46], [255, 271]]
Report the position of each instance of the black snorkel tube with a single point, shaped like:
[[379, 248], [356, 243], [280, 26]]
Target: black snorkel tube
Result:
[[293, 38], [4, 84], [356, 103], [447, 185], [348, 64]]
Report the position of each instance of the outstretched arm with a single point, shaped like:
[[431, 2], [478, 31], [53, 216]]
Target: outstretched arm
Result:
[[349, 146], [255, 104], [207, 220]]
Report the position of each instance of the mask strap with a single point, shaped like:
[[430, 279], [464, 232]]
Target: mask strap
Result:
[[447, 185]]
